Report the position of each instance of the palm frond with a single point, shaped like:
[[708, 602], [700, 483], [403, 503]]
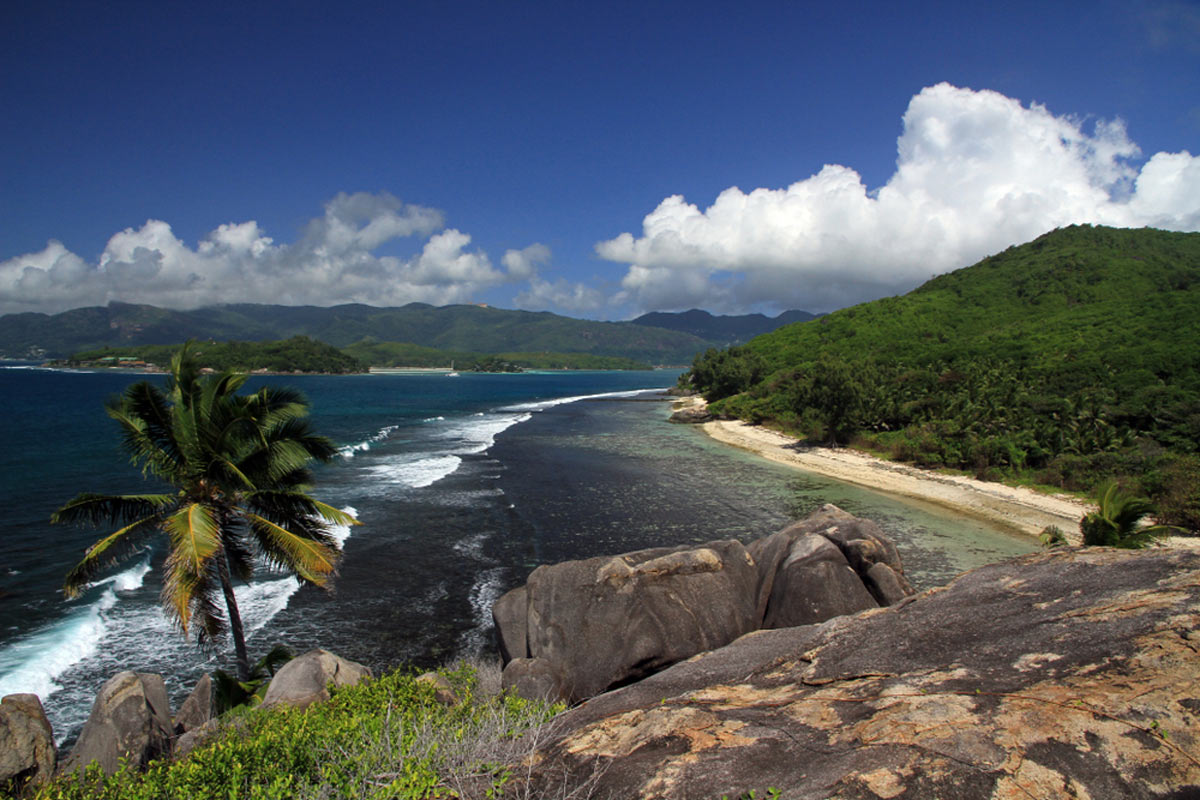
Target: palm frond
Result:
[[92, 509], [335, 515], [307, 550], [195, 539], [285, 507], [145, 402], [149, 440], [1117, 522], [273, 405], [108, 551]]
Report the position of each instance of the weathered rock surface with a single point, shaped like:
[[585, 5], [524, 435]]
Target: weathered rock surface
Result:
[[691, 410], [443, 690], [533, 679], [508, 614], [304, 680], [197, 709], [195, 737], [130, 719], [1073, 673], [582, 627], [26, 744], [829, 564], [607, 621], [691, 415]]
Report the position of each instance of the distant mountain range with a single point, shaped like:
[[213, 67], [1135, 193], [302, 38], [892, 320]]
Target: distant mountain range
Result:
[[479, 329], [723, 330]]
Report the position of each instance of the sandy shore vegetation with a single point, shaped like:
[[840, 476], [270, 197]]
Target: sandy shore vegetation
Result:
[[1015, 507]]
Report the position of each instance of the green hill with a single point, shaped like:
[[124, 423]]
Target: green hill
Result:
[[298, 354], [725, 329], [475, 329], [1065, 361]]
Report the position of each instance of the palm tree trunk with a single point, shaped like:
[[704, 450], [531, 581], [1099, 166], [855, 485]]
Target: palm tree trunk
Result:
[[235, 620]]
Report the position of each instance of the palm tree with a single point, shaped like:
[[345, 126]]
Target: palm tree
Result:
[[1118, 521], [239, 466]]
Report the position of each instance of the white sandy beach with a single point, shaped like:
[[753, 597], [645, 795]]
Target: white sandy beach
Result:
[[1017, 508]]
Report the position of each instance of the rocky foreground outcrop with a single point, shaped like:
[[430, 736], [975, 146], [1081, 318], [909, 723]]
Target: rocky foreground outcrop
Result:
[[1074, 673], [130, 723], [27, 755], [579, 628], [306, 679]]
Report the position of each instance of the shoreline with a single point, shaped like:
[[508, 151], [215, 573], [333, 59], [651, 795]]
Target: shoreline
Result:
[[1016, 508]]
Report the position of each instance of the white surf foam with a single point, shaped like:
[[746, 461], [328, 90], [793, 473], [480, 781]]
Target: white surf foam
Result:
[[350, 450], [34, 662], [477, 433], [415, 471], [127, 581], [542, 405], [483, 595]]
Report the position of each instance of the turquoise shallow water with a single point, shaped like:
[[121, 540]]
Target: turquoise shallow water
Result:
[[463, 485]]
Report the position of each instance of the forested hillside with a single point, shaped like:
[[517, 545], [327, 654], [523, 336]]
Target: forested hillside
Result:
[[725, 329], [1065, 361]]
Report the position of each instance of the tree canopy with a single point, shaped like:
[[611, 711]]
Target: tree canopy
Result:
[[238, 469]]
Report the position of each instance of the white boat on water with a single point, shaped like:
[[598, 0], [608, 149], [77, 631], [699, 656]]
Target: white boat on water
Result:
[[451, 373]]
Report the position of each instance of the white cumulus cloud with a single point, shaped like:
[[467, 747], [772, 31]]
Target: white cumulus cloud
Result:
[[333, 262], [976, 172], [560, 294]]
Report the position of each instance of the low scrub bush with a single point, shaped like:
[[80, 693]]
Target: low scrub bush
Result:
[[386, 738]]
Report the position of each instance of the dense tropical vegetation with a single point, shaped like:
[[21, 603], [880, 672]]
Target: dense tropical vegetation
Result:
[[238, 468], [727, 329], [1067, 361]]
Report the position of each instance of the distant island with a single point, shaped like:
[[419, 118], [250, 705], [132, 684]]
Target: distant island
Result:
[[301, 354], [298, 354]]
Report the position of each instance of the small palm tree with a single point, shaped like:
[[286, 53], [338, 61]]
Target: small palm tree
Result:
[[239, 465], [1118, 521]]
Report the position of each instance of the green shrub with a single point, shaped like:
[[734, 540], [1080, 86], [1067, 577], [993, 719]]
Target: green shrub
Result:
[[386, 738]]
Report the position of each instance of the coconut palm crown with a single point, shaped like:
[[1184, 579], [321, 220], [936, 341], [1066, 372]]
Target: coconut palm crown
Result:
[[239, 467], [1118, 521]]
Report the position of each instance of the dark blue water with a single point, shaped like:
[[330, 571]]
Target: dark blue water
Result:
[[463, 485]]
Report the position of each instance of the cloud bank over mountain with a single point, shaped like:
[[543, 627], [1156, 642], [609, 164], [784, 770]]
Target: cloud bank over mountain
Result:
[[334, 261], [976, 172]]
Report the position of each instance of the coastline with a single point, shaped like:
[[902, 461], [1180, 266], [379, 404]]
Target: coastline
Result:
[[1014, 507]]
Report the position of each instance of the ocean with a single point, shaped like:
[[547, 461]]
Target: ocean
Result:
[[463, 485]]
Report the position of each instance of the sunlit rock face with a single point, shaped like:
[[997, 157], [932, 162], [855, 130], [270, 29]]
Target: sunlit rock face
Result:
[[1065, 674], [579, 628]]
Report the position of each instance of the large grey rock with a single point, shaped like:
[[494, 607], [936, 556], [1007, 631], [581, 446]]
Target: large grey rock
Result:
[[305, 679], [509, 614], [197, 709], [26, 744], [691, 415], [533, 679], [196, 737], [1071, 673], [603, 622], [583, 627], [813, 583], [828, 564], [130, 721]]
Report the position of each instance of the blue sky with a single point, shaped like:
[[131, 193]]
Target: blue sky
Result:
[[575, 157]]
